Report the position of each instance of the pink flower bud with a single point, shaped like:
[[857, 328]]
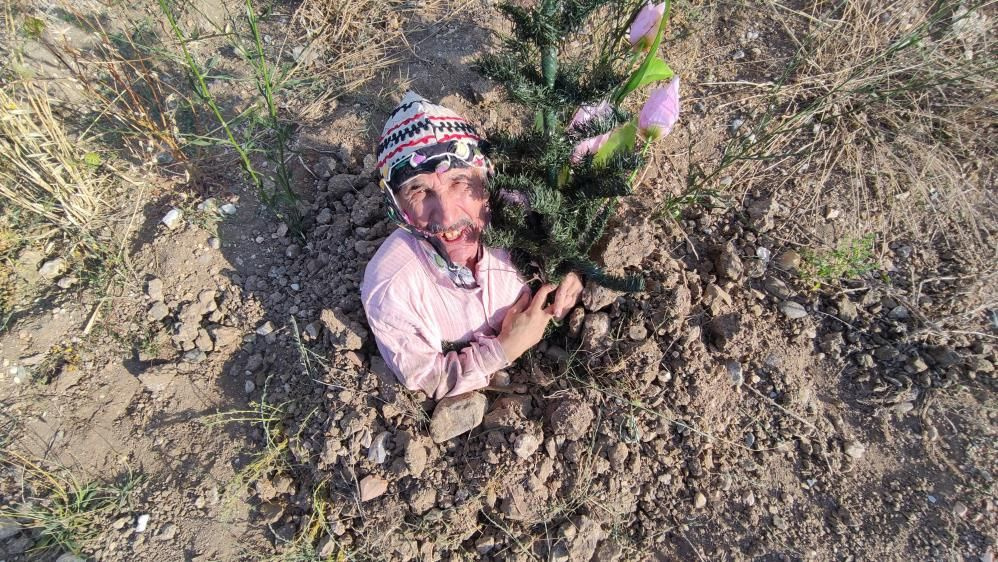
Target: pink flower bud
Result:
[[644, 28], [589, 146], [587, 113], [661, 111]]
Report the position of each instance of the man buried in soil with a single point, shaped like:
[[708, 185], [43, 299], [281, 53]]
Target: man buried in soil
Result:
[[447, 312]]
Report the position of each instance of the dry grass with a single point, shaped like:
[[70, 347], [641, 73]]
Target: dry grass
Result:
[[45, 173], [885, 113], [347, 43]]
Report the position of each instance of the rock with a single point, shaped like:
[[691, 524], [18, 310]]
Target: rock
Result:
[[214, 243], [343, 333], [595, 330], [484, 545], [265, 329], [748, 498], [793, 310], [717, 298], [587, 534], [723, 329], [141, 523], [729, 263], [700, 501], [173, 219], [960, 509], [415, 457], [899, 312], [69, 557], [204, 341], [848, 311], [525, 444], [167, 532], [628, 243], [249, 387], [52, 268], [378, 451], [456, 415], [734, 370], [637, 332], [158, 311], [571, 417], [228, 209], [596, 297], [372, 486], [618, 456], [225, 336], [855, 449], [194, 356], [154, 289], [508, 412], [776, 287], [422, 498], [761, 214], [270, 512], [8, 528], [788, 260], [67, 282]]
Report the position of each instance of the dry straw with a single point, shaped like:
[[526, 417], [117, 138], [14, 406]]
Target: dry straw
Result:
[[42, 169]]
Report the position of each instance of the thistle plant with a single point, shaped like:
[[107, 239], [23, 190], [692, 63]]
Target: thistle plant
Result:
[[557, 184]]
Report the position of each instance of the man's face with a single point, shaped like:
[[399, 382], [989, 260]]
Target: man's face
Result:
[[450, 206]]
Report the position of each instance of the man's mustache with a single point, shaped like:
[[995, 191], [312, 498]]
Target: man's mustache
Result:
[[435, 228]]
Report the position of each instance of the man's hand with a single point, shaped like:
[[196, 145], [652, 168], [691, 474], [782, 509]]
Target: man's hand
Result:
[[567, 295], [523, 326]]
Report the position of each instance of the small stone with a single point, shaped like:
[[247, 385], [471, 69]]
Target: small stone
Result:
[[214, 243], [68, 557], [154, 289], [204, 342], [787, 261], [265, 329], [225, 336], [524, 445], [485, 544], [173, 219], [227, 209], [372, 486], [455, 415], [776, 287], [637, 332], [52, 268], [595, 330], [8, 528], [748, 498], [734, 369], [960, 509], [700, 501], [158, 311], [141, 523], [378, 451], [793, 310], [571, 418], [899, 312], [67, 282], [195, 356], [249, 387], [729, 263], [167, 532], [855, 449]]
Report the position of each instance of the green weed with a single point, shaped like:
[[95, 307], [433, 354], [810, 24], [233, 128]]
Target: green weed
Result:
[[67, 512], [851, 259]]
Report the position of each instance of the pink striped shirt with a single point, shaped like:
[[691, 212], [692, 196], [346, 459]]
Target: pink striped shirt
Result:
[[414, 308]]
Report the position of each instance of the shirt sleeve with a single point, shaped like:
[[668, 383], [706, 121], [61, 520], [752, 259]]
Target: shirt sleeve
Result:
[[420, 365]]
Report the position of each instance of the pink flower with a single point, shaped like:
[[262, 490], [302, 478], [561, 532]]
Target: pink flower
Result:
[[587, 113], [588, 146], [644, 28], [661, 111]]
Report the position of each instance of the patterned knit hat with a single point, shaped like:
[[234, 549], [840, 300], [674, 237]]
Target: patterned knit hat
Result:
[[421, 137]]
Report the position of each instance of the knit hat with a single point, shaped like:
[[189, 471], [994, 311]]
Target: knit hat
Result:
[[421, 137]]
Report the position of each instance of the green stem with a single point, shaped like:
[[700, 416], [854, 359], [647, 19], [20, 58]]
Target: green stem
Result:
[[208, 97], [549, 69]]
